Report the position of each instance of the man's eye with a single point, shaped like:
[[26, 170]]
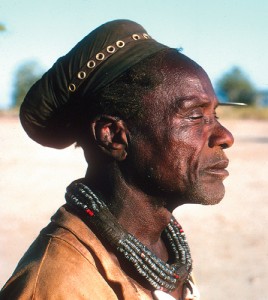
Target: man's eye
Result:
[[206, 119], [196, 117]]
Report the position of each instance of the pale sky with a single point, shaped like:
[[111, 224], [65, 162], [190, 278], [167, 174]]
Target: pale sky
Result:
[[217, 34]]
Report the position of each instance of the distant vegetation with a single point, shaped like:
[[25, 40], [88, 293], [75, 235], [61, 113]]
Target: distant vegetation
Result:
[[25, 76], [234, 86], [2, 27]]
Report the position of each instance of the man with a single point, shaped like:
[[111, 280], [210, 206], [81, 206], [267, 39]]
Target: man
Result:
[[145, 117]]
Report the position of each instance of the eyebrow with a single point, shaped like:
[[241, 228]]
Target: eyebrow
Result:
[[189, 102]]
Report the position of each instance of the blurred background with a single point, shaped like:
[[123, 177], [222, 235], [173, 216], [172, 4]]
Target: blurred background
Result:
[[229, 40]]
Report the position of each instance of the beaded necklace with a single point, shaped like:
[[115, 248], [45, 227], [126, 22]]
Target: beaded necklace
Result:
[[159, 274]]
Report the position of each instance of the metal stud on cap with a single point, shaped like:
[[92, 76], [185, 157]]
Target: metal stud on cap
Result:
[[82, 75], [136, 37], [72, 87], [91, 64], [146, 36], [120, 44], [100, 56], [110, 49]]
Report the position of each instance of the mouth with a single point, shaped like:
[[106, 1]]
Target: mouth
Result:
[[218, 169]]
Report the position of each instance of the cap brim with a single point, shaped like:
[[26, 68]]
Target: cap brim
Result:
[[232, 104]]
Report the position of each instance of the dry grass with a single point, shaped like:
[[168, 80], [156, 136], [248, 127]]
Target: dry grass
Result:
[[245, 113]]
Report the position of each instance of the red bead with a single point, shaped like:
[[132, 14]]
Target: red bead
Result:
[[90, 212], [176, 276]]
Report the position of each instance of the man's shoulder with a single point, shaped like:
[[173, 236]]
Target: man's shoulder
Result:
[[65, 236], [59, 260]]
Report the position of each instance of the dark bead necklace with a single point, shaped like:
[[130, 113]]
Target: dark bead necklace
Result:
[[159, 274]]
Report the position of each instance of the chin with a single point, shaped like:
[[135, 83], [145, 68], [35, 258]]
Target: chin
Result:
[[207, 195], [211, 201]]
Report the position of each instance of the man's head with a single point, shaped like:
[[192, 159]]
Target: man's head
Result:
[[174, 146], [147, 109]]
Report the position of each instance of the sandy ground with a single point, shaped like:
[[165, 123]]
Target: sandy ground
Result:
[[228, 241]]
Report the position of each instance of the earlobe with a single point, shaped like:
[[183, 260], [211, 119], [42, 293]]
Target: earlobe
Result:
[[110, 134]]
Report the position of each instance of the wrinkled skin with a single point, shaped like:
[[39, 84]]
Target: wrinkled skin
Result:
[[172, 155], [177, 149]]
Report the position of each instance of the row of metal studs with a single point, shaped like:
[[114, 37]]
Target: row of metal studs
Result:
[[94, 61]]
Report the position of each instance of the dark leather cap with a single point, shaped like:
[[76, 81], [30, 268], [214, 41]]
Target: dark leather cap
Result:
[[48, 111]]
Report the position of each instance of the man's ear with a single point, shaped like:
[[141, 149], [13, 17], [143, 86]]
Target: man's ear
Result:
[[110, 134]]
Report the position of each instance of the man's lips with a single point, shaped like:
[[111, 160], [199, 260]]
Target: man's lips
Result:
[[218, 169]]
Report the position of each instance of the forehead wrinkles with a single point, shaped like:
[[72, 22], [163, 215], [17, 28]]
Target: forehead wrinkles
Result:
[[189, 88], [192, 102]]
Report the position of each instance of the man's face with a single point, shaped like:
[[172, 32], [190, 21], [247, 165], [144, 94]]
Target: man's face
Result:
[[177, 150]]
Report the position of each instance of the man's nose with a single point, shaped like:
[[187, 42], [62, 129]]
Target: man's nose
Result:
[[221, 137]]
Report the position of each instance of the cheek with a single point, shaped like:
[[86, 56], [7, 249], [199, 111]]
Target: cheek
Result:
[[194, 154], [189, 145], [184, 161], [141, 157]]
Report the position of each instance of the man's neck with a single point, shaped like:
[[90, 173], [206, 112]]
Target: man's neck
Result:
[[142, 215]]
